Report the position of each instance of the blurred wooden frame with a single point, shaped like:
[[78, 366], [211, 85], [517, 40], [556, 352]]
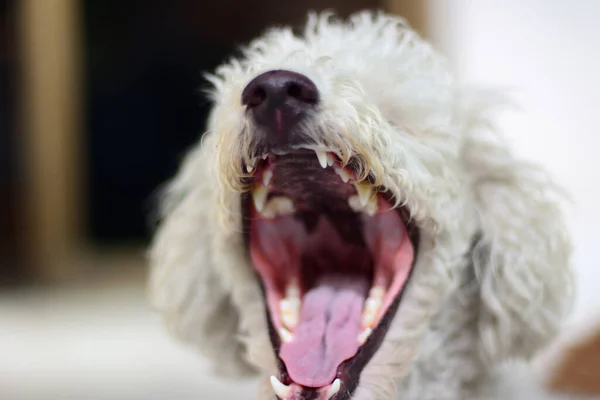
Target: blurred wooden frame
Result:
[[51, 135], [414, 11]]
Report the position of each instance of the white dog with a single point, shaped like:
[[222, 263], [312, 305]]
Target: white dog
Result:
[[352, 226]]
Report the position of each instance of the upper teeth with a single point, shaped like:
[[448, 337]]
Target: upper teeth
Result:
[[365, 200], [259, 196], [365, 192], [344, 174], [325, 158], [330, 159], [280, 389], [267, 176], [250, 164], [370, 208], [322, 156]]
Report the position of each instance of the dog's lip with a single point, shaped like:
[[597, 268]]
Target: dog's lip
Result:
[[349, 371]]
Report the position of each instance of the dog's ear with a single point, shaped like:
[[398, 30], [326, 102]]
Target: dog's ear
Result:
[[522, 257], [184, 285]]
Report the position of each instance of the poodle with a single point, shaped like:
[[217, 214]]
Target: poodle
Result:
[[353, 226]]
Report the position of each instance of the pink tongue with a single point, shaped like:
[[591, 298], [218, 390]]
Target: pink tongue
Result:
[[327, 334]]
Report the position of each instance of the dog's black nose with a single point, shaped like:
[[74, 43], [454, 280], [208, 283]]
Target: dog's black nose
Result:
[[279, 99]]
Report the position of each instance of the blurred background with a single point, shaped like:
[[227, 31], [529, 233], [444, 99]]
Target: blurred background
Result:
[[99, 100]]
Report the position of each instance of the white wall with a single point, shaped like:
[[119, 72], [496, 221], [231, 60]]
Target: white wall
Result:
[[547, 53]]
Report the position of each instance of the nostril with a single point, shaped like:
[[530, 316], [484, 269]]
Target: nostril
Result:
[[302, 93], [295, 91], [277, 88], [254, 97]]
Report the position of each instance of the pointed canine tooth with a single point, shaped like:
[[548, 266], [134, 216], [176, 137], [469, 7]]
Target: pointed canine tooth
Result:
[[343, 174], [264, 156], [279, 388], [354, 203], [259, 196], [330, 159], [371, 208], [322, 156], [365, 192], [285, 335], [334, 388], [250, 165], [364, 335], [267, 176]]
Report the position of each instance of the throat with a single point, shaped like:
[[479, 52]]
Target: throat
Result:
[[328, 330]]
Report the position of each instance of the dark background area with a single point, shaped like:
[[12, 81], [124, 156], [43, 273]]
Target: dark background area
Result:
[[9, 263]]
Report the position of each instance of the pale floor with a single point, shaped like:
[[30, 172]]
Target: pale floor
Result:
[[101, 342]]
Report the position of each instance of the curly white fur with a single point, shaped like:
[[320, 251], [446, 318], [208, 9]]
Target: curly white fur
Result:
[[492, 278]]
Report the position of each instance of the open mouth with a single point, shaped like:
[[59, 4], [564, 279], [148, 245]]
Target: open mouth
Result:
[[333, 257]]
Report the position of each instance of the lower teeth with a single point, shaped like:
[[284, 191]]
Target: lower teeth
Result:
[[364, 335]]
